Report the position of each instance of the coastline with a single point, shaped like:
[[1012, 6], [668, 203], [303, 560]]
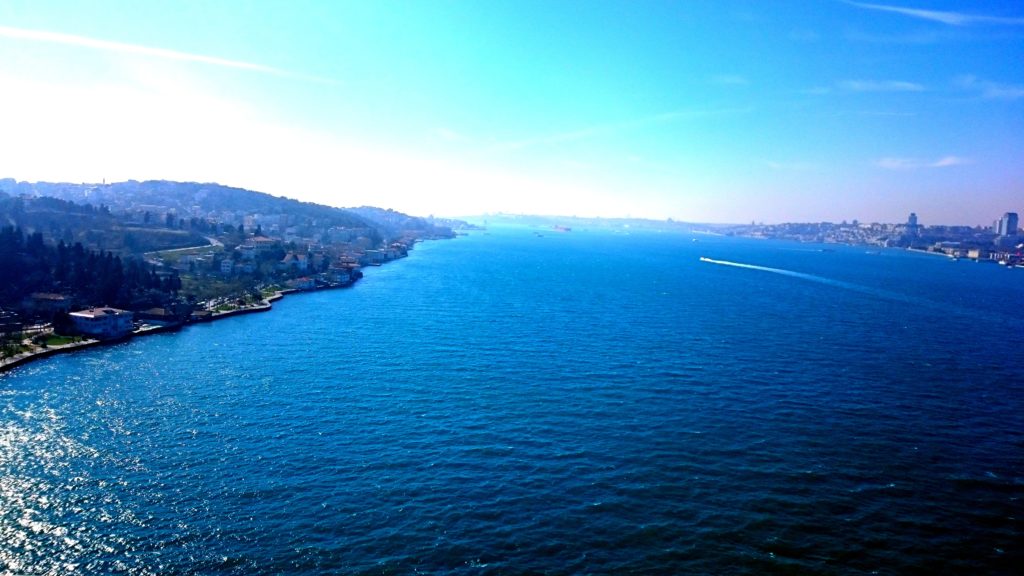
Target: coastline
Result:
[[265, 305], [920, 251], [26, 357]]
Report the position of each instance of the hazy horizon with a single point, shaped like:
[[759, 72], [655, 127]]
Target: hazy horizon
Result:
[[726, 112], [552, 216]]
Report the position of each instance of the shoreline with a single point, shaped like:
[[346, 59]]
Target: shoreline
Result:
[[921, 251], [24, 358], [265, 305], [869, 247]]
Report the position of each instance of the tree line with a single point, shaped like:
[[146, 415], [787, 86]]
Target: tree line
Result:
[[88, 277]]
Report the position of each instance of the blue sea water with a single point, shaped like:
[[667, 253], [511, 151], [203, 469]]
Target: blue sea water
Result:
[[586, 402]]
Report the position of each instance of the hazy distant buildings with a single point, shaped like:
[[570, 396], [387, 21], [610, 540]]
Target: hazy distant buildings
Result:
[[912, 229], [1007, 225], [995, 243]]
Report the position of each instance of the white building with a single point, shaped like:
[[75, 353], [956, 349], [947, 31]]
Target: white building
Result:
[[102, 323]]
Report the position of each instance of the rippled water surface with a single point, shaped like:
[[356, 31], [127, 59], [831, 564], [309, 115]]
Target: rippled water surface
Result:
[[505, 403]]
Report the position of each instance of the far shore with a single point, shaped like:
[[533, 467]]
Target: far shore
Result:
[[922, 251]]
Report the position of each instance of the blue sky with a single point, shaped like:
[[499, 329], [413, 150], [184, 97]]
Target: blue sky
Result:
[[726, 111]]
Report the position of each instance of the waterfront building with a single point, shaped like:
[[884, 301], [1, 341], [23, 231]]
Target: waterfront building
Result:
[[373, 257], [304, 283], [102, 323], [339, 274], [159, 316]]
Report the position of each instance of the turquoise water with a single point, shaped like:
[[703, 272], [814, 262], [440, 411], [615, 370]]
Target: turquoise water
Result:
[[504, 403]]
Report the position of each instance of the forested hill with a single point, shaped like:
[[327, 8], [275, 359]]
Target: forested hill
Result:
[[124, 244], [84, 276], [396, 224], [183, 198], [95, 227]]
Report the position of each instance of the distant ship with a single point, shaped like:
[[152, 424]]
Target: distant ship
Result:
[[560, 228]]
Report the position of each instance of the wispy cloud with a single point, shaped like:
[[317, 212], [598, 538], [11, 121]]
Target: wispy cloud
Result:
[[880, 86], [140, 50], [891, 163], [944, 17], [947, 161], [988, 89], [604, 129]]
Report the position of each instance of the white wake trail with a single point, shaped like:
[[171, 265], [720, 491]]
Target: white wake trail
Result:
[[819, 279], [948, 309]]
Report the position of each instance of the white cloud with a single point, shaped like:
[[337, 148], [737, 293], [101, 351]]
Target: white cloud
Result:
[[993, 90], [946, 161], [880, 86], [149, 51], [944, 17], [892, 163]]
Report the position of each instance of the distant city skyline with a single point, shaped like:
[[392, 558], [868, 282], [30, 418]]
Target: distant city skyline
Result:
[[731, 111]]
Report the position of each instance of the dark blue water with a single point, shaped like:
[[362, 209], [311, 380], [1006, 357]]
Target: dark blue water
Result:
[[575, 403]]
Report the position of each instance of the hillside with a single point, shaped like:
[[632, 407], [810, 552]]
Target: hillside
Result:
[[95, 227], [397, 225], [184, 199]]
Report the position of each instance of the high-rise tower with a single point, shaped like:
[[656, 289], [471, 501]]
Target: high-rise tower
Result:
[[1007, 225]]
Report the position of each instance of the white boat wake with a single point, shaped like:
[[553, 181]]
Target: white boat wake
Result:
[[1009, 321], [821, 280]]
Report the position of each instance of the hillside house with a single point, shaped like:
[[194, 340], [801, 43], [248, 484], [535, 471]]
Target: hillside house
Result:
[[294, 261], [46, 304]]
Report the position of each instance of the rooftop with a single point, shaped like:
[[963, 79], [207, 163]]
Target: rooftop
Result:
[[99, 312]]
